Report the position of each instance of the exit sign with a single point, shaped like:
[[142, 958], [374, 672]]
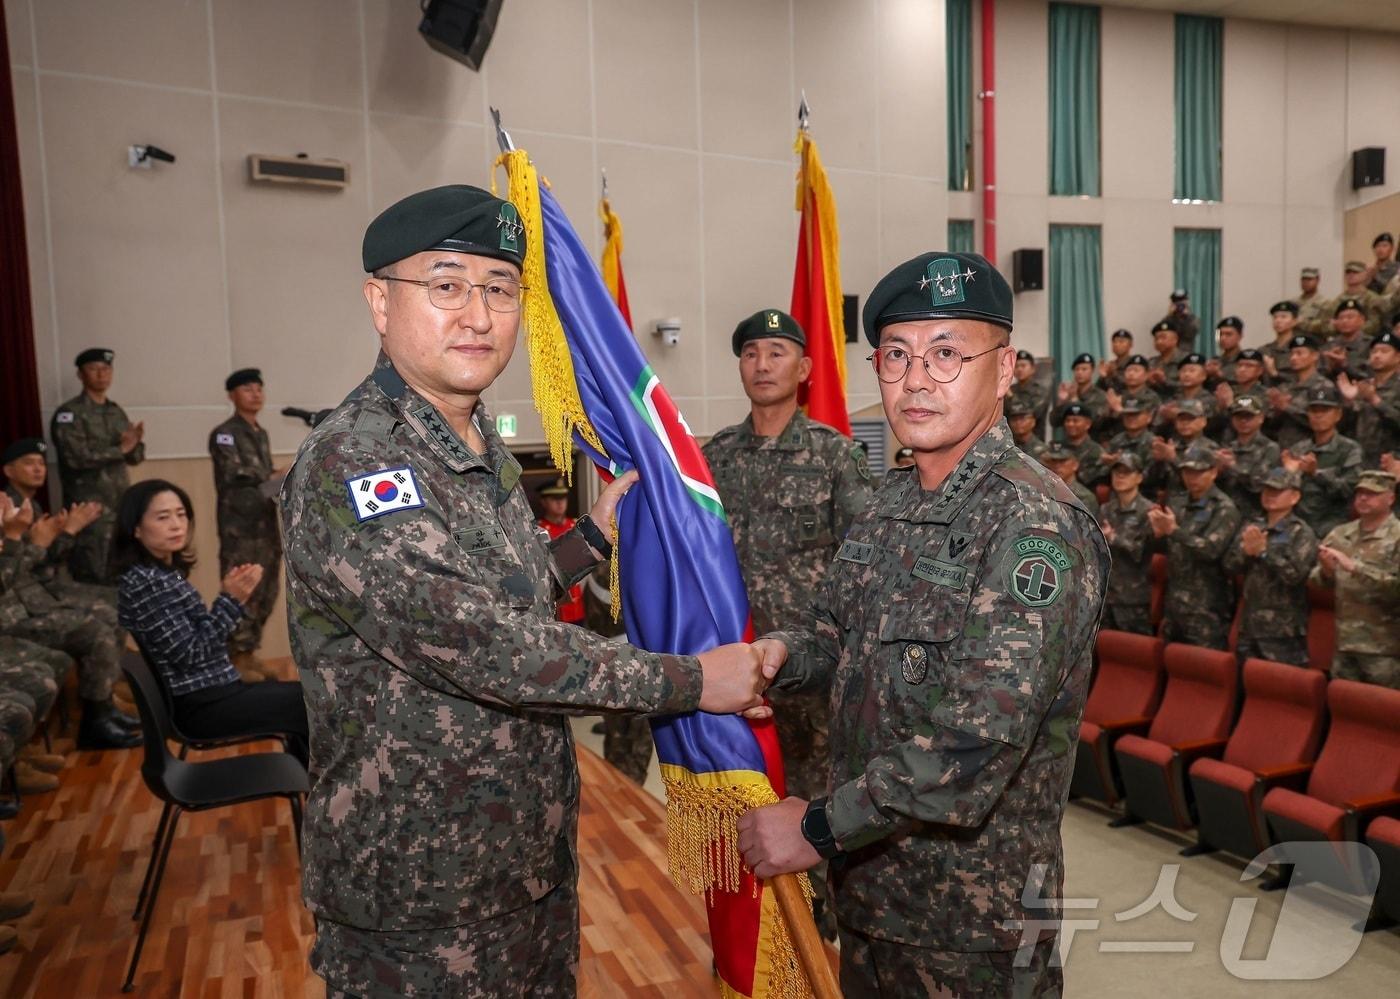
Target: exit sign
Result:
[[505, 425]]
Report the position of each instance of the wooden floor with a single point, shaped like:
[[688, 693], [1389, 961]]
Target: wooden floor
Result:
[[229, 921]]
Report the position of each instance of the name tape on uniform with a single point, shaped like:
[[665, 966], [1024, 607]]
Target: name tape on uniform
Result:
[[225, 439], [376, 493]]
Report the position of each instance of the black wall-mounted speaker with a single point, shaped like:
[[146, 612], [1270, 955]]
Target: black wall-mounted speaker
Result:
[[1368, 167], [850, 315], [461, 29], [1028, 270]]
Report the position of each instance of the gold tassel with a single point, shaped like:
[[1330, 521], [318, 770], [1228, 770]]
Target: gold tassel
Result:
[[615, 572]]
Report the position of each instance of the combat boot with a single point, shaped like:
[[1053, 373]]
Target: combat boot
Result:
[[50, 763], [14, 904], [31, 780], [99, 729]]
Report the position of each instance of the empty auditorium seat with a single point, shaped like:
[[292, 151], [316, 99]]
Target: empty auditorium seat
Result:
[[1357, 774], [1322, 627], [1197, 710], [1123, 698], [1157, 572], [1274, 744], [1383, 836]]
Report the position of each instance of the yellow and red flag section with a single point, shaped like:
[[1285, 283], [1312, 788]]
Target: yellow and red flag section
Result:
[[816, 291], [612, 260]]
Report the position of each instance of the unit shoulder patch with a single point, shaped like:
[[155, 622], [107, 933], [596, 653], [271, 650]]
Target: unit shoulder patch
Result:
[[1037, 571], [374, 494]]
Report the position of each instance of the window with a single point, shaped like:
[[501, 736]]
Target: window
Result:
[[961, 236], [1197, 269], [959, 42], [1076, 295], [1074, 99], [1198, 54]]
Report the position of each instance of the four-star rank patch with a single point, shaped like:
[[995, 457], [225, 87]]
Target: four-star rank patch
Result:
[[944, 281], [1039, 570], [377, 493]]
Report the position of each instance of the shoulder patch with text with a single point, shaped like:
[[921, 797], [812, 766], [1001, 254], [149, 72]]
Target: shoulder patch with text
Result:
[[376, 493], [1038, 571]]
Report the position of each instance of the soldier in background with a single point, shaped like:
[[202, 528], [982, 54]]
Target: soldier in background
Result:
[[1274, 553], [1329, 463], [1349, 349], [1385, 267], [1136, 436], [1248, 457], [1182, 319], [1081, 389], [1354, 287], [1248, 383], [1361, 561], [95, 442], [1228, 334], [1161, 376], [244, 478], [1188, 429], [1377, 399], [1075, 421], [1134, 372], [1191, 384], [1128, 532], [1065, 463], [556, 522], [1020, 417], [1110, 371], [1308, 304], [1196, 527], [1284, 318], [1028, 389], [1287, 422]]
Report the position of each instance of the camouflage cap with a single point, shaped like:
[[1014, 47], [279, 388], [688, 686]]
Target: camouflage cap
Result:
[[938, 285], [1387, 339], [1128, 460], [1349, 303], [456, 217], [1251, 354], [1374, 480], [1016, 406], [1121, 335], [556, 488], [1325, 394], [1164, 327], [1289, 307], [766, 324], [1231, 322], [1303, 340], [1355, 267], [1138, 359], [92, 354], [1309, 272], [1282, 478], [1246, 405], [243, 376], [1197, 458], [1058, 452], [22, 448], [1190, 407], [1132, 404]]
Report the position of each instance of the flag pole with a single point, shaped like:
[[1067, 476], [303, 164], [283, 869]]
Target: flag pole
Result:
[[811, 949]]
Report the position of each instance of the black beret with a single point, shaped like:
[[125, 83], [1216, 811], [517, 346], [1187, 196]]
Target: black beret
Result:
[[1128, 460], [1138, 359], [1387, 339], [243, 376], [457, 217], [1349, 303], [765, 324], [1180, 295], [1234, 322], [94, 354], [1251, 354], [1058, 452], [1384, 237], [1083, 359], [1193, 359], [558, 487], [1284, 307], [1025, 355], [23, 447], [1163, 326], [1325, 394], [938, 285], [1246, 404], [1076, 409], [1121, 335], [1303, 340], [1132, 404]]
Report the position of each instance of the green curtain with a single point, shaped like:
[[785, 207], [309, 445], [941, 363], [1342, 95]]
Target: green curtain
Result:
[[1074, 99], [1197, 269], [1076, 295], [959, 42], [1199, 45], [961, 238]]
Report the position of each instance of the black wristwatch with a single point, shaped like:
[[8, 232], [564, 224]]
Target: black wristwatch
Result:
[[593, 536], [816, 828]]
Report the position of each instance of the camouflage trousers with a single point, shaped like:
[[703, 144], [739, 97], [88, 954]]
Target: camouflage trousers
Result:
[[247, 636], [16, 723], [871, 967], [1384, 671], [1135, 618], [92, 548], [85, 635], [34, 671], [1290, 649], [627, 745], [530, 952], [1209, 631]]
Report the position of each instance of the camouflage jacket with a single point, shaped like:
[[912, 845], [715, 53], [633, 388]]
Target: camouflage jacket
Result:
[[50, 571], [1166, 474], [1092, 398], [1120, 444], [87, 438], [1227, 364], [957, 628], [1327, 494], [242, 457], [444, 786], [789, 500], [1358, 348], [1091, 470], [18, 557], [1168, 366], [1275, 595], [1368, 600], [1378, 423], [1291, 425], [1253, 461], [1129, 584], [1196, 579], [1311, 308], [1036, 396], [1320, 323], [1280, 352]]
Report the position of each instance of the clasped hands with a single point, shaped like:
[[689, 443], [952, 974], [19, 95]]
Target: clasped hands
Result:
[[736, 675]]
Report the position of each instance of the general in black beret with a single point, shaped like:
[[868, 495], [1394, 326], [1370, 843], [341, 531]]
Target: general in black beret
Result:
[[243, 376], [22, 448], [766, 324], [94, 354], [458, 217], [938, 285]]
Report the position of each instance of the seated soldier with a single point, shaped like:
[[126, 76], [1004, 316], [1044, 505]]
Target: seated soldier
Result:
[[1189, 428], [1065, 463], [1026, 387], [1129, 535], [1162, 374], [1228, 334], [1377, 399], [1248, 382], [1287, 422], [1248, 456], [1349, 349], [1020, 417], [1075, 421], [1134, 374], [1082, 390], [1110, 377], [1135, 437], [1329, 463], [1274, 553], [1196, 527], [1191, 384]]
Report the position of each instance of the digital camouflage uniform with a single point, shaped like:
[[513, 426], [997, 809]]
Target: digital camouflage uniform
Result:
[[1280, 351], [1122, 443], [53, 573], [1091, 468], [1032, 446], [789, 500], [242, 458], [1169, 365], [1368, 603], [1378, 424], [1291, 426], [1327, 494], [91, 467], [1166, 474], [1200, 598], [1035, 395], [1244, 481], [956, 628], [1311, 308], [444, 794], [1227, 362], [33, 670], [1373, 307], [1129, 604], [1358, 348], [1274, 597]]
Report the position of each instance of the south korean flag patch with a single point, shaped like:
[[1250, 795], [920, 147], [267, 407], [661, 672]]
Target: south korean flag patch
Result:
[[225, 440], [377, 493]]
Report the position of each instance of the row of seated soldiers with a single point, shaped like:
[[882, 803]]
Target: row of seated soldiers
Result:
[[1255, 471]]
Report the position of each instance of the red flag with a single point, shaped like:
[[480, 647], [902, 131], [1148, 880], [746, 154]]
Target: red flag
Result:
[[612, 260], [816, 291]]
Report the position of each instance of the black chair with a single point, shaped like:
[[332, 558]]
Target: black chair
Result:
[[196, 787]]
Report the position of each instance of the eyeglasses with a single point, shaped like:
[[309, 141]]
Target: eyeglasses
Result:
[[942, 363], [453, 293]]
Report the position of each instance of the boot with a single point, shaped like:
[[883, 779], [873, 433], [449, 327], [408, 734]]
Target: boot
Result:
[[13, 905], [31, 780], [50, 763], [247, 665], [125, 714], [9, 936], [100, 730]]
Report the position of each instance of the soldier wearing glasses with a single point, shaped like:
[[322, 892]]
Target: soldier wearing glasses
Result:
[[956, 629]]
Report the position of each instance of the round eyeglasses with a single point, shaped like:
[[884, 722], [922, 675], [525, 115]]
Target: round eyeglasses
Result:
[[453, 293], [943, 363]]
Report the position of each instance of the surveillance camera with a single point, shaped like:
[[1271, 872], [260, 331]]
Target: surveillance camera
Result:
[[669, 330], [140, 156]]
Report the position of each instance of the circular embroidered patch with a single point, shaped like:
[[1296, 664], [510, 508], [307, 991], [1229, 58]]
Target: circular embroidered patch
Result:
[[1039, 571]]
